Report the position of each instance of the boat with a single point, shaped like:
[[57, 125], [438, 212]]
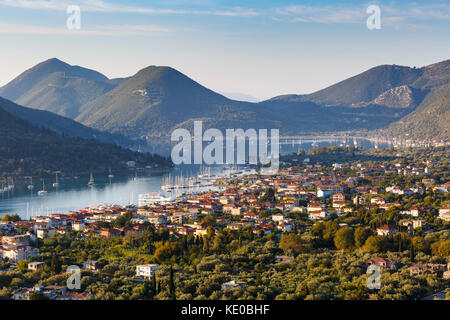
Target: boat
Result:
[[154, 197], [30, 186], [110, 175], [91, 180], [56, 183], [42, 192]]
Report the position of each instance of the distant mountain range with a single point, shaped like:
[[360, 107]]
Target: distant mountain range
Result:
[[395, 100]]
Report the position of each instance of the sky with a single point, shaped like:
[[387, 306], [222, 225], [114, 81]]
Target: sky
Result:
[[259, 48]]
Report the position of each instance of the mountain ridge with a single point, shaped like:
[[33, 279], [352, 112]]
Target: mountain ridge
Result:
[[158, 99]]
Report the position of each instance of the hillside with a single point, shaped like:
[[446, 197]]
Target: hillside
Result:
[[158, 99], [64, 126], [416, 98], [430, 121], [56, 86], [28, 150]]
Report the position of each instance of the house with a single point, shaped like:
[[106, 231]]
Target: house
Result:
[[232, 284], [433, 268], [51, 292], [33, 266], [444, 213], [91, 265], [108, 233], [446, 274], [72, 296], [285, 227], [45, 233], [387, 230], [338, 197], [338, 204], [317, 215], [278, 217], [280, 259], [21, 239], [414, 211], [377, 200], [381, 262], [19, 253], [78, 226], [314, 207], [146, 271], [236, 211]]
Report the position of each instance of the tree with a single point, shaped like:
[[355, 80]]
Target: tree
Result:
[[292, 243], [220, 241], [154, 288], [373, 244], [269, 195], [411, 253], [168, 250], [38, 296], [361, 235], [22, 265], [146, 290], [171, 285], [441, 248], [55, 265], [344, 239]]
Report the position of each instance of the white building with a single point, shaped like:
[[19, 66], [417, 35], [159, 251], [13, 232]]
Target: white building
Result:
[[278, 217], [18, 253], [146, 271], [232, 284], [444, 213], [78, 226]]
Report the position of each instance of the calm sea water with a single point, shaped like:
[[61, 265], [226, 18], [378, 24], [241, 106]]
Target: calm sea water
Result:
[[74, 194]]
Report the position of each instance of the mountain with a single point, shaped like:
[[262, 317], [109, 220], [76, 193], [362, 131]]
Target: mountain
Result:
[[56, 86], [416, 98], [430, 120], [158, 99], [64, 126], [29, 150], [361, 89]]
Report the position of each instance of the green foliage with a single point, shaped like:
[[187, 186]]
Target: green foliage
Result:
[[11, 218], [361, 235], [293, 244], [344, 239]]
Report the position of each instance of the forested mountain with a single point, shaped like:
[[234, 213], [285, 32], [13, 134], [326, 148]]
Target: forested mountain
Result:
[[29, 150]]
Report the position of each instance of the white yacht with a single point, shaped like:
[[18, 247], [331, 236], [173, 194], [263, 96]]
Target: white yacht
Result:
[[150, 198], [43, 192], [56, 183]]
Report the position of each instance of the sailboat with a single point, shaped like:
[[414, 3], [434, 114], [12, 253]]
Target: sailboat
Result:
[[91, 180], [56, 183], [30, 186], [42, 192], [110, 174]]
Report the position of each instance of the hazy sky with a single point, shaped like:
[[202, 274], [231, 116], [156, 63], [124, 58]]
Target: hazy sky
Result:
[[258, 47]]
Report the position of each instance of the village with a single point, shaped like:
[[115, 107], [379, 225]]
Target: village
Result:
[[296, 200]]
